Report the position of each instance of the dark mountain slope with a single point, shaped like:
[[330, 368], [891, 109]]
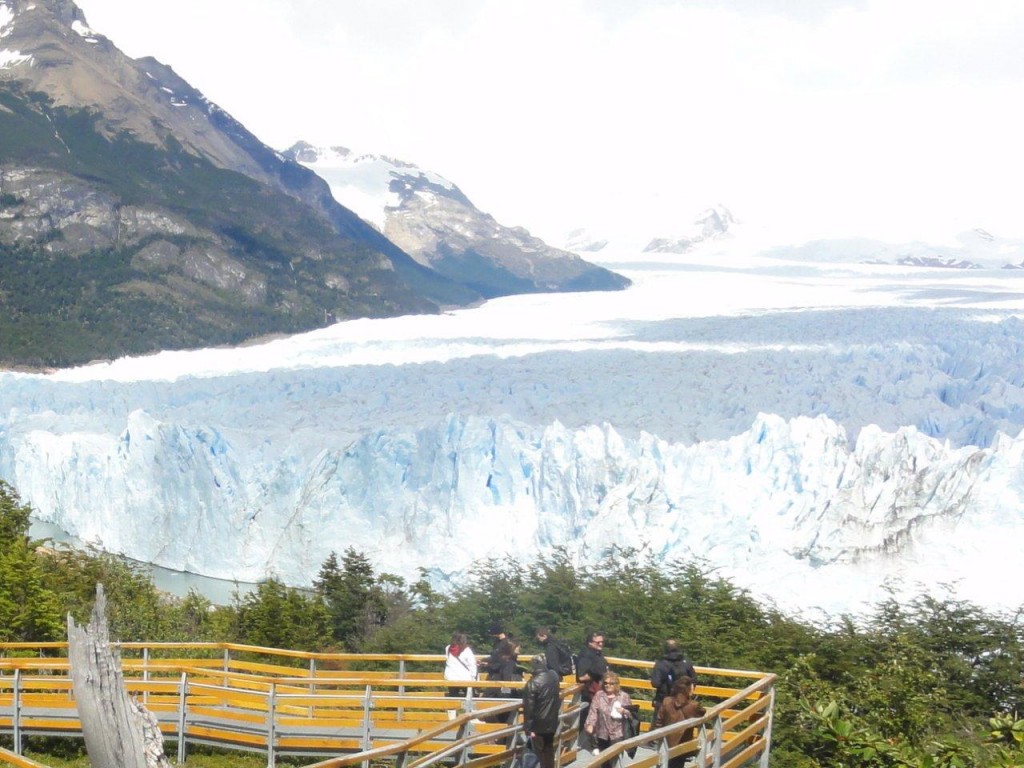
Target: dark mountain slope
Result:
[[137, 216]]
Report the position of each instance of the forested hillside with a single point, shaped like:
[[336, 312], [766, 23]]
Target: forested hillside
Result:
[[930, 683]]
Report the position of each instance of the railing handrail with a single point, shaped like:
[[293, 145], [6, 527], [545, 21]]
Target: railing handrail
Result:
[[758, 689]]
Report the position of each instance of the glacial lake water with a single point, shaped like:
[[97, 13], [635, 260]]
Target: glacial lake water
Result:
[[178, 583]]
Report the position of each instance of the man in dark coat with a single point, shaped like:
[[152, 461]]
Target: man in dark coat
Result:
[[590, 668], [670, 667], [501, 664], [541, 706], [554, 650]]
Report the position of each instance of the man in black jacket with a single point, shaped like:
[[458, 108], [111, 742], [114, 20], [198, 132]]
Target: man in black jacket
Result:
[[501, 664], [541, 706], [557, 652], [590, 668], [669, 668]]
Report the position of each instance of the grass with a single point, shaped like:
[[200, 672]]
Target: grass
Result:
[[72, 755]]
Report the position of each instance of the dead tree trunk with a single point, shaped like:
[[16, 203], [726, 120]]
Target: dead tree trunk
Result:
[[119, 732]]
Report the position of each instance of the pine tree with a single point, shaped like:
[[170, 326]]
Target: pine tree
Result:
[[29, 610]]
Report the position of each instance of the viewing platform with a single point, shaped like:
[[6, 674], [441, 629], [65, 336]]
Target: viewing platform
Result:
[[347, 709]]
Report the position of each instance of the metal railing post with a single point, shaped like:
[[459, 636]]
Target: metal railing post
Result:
[[703, 745], [182, 693], [227, 659], [768, 729], [716, 749], [662, 750], [401, 688], [17, 711], [271, 731], [367, 723], [145, 675]]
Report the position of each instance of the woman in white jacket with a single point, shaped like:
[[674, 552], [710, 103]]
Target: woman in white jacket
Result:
[[459, 663]]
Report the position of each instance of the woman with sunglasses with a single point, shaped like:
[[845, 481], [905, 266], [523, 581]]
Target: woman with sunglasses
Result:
[[607, 710]]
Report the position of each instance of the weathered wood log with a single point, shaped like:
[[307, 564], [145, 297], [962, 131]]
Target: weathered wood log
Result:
[[119, 732]]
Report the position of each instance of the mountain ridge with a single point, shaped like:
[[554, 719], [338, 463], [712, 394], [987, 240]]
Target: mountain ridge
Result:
[[434, 221], [237, 241]]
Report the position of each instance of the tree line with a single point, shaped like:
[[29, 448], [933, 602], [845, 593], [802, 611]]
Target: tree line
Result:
[[931, 682]]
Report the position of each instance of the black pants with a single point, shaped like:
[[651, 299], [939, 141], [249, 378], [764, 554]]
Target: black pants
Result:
[[603, 744], [544, 748]]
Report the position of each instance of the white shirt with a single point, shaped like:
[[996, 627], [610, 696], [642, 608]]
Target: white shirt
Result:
[[461, 667]]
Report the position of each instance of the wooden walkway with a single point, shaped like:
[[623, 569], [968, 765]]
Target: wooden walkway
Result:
[[346, 709]]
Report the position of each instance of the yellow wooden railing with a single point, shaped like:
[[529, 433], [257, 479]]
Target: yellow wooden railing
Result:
[[351, 708]]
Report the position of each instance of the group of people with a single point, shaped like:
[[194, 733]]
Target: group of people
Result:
[[608, 709]]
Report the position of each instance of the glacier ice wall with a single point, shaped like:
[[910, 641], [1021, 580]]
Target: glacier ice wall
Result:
[[834, 450], [790, 496]]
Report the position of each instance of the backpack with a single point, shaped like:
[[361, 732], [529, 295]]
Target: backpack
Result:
[[675, 670], [564, 664]]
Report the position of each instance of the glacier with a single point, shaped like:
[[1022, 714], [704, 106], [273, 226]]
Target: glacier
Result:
[[820, 431]]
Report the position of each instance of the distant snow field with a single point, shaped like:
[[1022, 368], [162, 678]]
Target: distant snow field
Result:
[[844, 427]]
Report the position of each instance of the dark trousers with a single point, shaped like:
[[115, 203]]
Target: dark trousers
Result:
[[584, 740], [544, 748], [603, 744]]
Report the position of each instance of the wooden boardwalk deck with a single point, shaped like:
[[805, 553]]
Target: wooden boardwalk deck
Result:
[[258, 700]]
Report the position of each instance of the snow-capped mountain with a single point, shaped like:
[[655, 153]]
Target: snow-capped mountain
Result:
[[712, 224], [432, 220], [839, 426], [974, 249], [108, 160], [713, 230]]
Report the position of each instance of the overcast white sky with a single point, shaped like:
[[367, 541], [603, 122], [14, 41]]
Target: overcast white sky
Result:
[[896, 118]]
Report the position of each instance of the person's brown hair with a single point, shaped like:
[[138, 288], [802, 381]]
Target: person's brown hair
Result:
[[682, 685]]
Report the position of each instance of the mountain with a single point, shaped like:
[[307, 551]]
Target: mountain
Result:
[[712, 224], [819, 434], [715, 225], [974, 249], [433, 221], [136, 215]]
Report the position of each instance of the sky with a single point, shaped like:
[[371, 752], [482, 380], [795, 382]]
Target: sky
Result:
[[898, 119]]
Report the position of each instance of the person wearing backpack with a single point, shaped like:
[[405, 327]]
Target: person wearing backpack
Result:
[[670, 667], [557, 653]]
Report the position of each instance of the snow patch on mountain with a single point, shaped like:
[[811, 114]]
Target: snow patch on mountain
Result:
[[363, 183], [9, 58], [6, 17], [83, 30], [434, 222]]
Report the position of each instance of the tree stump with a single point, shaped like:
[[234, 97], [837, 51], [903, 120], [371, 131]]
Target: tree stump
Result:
[[119, 732]]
